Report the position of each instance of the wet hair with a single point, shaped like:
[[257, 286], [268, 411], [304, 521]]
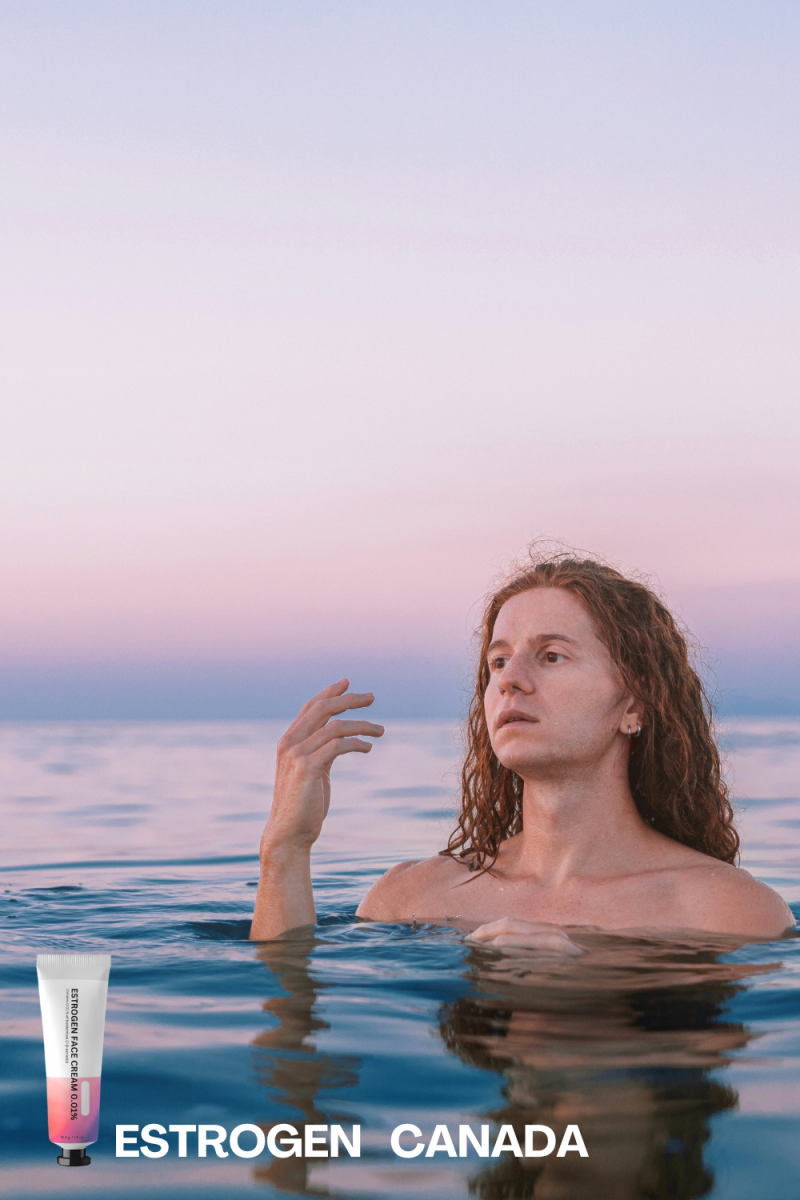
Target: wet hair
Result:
[[674, 768]]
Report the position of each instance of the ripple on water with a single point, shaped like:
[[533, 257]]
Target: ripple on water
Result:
[[678, 1059]]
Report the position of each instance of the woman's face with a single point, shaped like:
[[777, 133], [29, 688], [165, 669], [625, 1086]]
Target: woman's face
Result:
[[555, 699]]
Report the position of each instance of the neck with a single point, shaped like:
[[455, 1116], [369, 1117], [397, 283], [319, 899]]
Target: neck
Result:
[[579, 821]]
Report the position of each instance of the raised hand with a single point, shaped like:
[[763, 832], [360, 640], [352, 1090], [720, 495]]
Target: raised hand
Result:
[[300, 804], [306, 753]]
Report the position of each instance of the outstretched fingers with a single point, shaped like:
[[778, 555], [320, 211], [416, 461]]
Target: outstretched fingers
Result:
[[317, 712], [333, 689], [340, 731], [332, 747]]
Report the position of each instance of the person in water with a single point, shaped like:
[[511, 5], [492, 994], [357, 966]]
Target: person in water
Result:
[[592, 793]]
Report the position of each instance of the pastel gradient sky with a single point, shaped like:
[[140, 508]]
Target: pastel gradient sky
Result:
[[315, 314]]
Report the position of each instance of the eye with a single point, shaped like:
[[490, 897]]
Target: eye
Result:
[[552, 656], [498, 663]]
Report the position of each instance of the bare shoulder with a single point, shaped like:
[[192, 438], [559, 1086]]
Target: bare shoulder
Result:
[[721, 898], [408, 888]]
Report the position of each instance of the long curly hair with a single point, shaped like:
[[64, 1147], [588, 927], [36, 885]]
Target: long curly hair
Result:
[[674, 770]]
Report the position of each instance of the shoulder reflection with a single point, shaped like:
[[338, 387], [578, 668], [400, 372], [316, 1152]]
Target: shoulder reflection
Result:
[[622, 1044], [627, 1043]]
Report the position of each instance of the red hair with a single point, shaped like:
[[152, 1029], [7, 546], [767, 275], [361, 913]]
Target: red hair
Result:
[[674, 772]]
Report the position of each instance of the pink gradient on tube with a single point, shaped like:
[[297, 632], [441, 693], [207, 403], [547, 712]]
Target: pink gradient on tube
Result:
[[73, 1110]]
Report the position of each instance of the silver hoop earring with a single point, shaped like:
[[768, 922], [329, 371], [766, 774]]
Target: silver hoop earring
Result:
[[638, 731]]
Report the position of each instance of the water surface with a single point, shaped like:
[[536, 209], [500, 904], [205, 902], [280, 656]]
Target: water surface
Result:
[[679, 1061]]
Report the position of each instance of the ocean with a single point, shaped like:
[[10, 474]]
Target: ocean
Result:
[[678, 1060]]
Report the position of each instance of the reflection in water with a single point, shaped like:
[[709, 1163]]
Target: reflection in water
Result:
[[621, 1042], [294, 1071]]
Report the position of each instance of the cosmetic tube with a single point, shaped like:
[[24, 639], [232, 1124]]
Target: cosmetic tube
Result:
[[72, 995]]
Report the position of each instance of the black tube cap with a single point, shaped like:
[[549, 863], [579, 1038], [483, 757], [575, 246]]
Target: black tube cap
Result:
[[74, 1158]]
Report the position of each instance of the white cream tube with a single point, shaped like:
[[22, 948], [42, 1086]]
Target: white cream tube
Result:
[[72, 995]]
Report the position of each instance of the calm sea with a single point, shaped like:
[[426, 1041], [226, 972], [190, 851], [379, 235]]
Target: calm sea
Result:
[[679, 1062]]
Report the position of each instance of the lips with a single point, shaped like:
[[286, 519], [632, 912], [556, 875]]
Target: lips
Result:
[[513, 717]]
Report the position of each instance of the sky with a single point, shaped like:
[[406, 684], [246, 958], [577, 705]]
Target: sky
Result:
[[315, 315]]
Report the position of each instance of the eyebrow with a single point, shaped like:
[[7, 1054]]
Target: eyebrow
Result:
[[542, 637]]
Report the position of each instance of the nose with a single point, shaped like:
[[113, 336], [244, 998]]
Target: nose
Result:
[[513, 678]]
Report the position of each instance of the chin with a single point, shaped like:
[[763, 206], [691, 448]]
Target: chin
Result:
[[522, 746], [517, 754], [534, 766]]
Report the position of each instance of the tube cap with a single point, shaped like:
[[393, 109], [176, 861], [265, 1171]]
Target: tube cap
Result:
[[76, 1157]]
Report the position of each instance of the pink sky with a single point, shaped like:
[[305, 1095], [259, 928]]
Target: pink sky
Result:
[[314, 319]]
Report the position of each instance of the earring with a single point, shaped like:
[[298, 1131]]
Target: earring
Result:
[[638, 731]]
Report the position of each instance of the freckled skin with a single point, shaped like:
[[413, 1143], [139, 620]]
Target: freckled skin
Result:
[[558, 714]]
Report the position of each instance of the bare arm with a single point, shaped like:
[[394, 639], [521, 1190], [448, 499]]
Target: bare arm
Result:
[[300, 802]]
